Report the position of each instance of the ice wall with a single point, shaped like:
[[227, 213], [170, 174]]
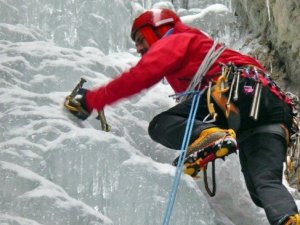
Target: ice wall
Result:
[[55, 169]]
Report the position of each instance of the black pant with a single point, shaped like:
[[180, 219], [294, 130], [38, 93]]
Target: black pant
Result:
[[262, 166], [261, 155], [168, 127]]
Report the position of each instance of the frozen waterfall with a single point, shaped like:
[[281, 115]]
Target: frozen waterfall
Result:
[[55, 169]]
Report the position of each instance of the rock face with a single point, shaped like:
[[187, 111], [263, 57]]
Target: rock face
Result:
[[277, 24]]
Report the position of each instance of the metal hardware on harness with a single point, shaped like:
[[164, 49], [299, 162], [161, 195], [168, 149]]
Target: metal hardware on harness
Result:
[[236, 91], [256, 97], [222, 86], [218, 94], [230, 94], [210, 105], [256, 101]]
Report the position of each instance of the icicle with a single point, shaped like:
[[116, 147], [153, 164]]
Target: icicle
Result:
[[268, 8]]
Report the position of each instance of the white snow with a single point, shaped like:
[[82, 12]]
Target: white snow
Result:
[[216, 8]]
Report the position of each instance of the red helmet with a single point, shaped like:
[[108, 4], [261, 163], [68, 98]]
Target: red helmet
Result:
[[154, 18]]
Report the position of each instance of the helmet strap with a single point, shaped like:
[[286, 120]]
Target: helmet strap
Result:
[[154, 34], [149, 34]]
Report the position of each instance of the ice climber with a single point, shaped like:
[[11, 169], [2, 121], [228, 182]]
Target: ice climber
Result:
[[245, 107]]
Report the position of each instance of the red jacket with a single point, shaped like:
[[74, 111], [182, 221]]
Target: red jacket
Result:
[[176, 57]]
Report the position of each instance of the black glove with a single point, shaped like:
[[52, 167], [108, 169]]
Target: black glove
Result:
[[77, 105]]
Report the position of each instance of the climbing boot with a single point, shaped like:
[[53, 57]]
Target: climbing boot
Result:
[[211, 144], [293, 220]]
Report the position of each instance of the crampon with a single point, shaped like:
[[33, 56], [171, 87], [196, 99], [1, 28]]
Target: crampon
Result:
[[196, 161]]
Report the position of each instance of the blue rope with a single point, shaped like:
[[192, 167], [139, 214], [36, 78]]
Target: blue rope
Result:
[[183, 151]]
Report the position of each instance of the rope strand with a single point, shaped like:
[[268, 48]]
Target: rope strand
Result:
[[210, 58], [183, 151]]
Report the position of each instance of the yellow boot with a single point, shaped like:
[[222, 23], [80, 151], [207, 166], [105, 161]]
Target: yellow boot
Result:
[[211, 137], [293, 220], [212, 143]]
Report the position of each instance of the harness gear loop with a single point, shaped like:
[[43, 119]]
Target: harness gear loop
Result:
[[210, 105]]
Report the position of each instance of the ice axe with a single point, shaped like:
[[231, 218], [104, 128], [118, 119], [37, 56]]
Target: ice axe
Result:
[[104, 125], [74, 103]]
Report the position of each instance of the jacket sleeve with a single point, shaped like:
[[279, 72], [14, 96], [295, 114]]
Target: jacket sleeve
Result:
[[163, 58]]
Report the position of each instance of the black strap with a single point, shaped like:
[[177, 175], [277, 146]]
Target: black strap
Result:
[[269, 128], [213, 172]]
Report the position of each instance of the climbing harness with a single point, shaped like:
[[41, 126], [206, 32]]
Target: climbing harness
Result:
[[225, 91], [72, 104], [229, 82]]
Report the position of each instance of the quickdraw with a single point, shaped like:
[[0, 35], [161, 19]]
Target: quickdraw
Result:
[[223, 92]]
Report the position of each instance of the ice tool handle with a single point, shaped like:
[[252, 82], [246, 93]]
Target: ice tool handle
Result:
[[71, 97], [77, 88], [101, 116], [104, 125]]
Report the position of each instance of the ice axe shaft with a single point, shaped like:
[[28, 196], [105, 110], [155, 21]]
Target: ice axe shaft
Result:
[[76, 89], [104, 125]]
